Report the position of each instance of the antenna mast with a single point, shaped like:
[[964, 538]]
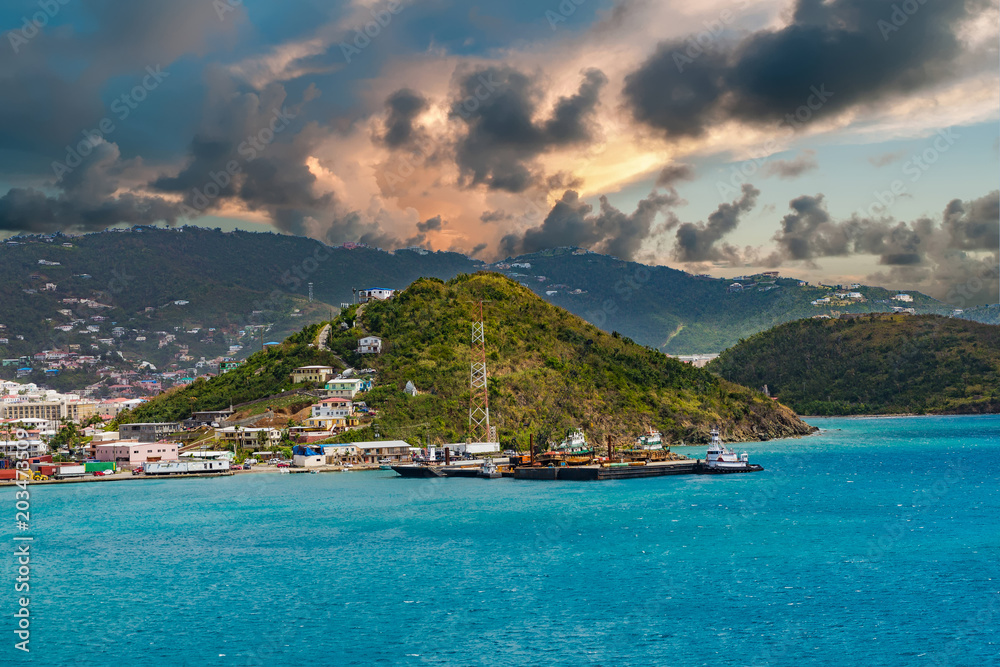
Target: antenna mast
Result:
[[479, 399]]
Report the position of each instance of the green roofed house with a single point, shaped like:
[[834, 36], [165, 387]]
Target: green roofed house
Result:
[[344, 387]]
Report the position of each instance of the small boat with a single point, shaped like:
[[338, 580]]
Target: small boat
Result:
[[721, 459], [489, 470], [385, 464], [648, 447], [573, 450]]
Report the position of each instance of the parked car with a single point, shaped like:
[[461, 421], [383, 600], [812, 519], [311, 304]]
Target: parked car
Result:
[[251, 462], [137, 470], [283, 464]]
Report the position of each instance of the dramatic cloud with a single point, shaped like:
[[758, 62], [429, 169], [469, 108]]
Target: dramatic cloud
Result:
[[800, 164], [246, 154], [431, 224], [696, 242], [403, 107], [935, 257], [831, 56], [499, 106], [674, 173], [89, 201], [571, 223]]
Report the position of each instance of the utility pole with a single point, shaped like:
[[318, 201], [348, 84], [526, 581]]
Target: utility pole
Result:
[[479, 399]]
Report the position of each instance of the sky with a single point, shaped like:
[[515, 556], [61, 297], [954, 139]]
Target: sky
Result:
[[836, 140]]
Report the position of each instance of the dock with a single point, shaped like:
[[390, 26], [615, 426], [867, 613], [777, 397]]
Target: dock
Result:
[[589, 473]]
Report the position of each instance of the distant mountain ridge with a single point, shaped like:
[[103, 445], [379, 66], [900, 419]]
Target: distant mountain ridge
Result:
[[197, 279]]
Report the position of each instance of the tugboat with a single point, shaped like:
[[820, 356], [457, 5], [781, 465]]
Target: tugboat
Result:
[[572, 451], [648, 447], [720, 459]]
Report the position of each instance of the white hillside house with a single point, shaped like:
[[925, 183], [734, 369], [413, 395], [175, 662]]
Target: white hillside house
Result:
[[370, 345]]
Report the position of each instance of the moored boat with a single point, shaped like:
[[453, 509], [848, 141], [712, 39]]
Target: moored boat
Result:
[[648, 447], [573, 450], [721, 459]]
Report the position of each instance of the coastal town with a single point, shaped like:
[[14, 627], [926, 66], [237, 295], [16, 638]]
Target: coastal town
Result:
[[64, 436]]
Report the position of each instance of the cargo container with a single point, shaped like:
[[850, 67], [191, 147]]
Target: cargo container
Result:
[[8, 473], [64, 471], [94, 466], [184, 467]]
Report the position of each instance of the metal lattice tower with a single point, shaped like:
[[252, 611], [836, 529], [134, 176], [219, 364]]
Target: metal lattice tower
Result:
[[479, 399]]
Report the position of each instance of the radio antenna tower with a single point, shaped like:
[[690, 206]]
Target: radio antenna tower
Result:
[[479, 399]]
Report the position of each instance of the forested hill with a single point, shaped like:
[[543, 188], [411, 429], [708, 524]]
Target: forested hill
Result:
[[549, 372], [873, 365]]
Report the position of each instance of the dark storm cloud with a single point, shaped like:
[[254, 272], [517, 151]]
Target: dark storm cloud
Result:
[[809, 233], [973, 225], [800, 164], [571, 223], [431, 224], [403, 107], [673, 173], [697, 242], [495, 216], [247, 151], [499, 106], [87, 203], [52, 86], [832, 55]]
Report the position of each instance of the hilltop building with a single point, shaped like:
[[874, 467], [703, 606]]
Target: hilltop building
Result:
[[375, 294]]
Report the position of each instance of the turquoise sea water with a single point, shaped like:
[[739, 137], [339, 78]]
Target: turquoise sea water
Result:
[[876, 542]]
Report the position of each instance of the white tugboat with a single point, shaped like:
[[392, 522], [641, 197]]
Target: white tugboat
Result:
[[721, 459]]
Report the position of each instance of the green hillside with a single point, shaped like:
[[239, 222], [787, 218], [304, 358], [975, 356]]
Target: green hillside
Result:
[[263, 374], [549, 372], [873, 365]]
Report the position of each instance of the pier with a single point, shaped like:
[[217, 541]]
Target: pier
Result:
[[595, 473]]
